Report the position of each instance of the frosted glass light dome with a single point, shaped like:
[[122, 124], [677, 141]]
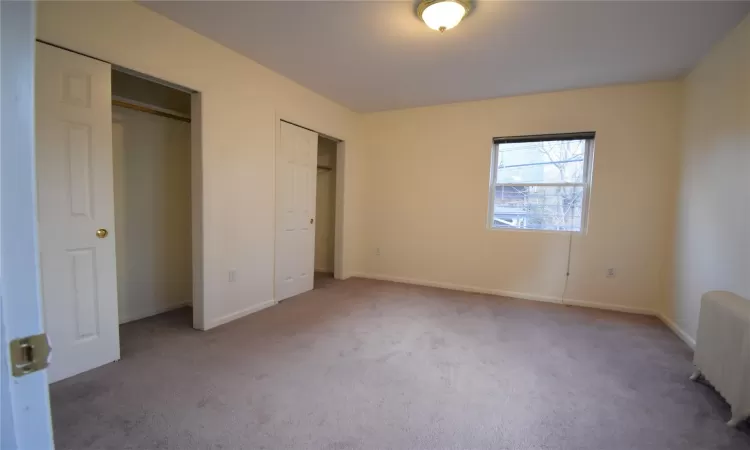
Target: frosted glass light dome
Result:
[[442, 15]]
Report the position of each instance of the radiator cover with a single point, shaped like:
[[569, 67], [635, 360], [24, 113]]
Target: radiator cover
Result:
[[722, 353]]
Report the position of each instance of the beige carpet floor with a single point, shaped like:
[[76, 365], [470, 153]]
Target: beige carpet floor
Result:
[[364, 364]]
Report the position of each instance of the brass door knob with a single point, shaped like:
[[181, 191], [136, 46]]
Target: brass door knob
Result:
[[101, 233]]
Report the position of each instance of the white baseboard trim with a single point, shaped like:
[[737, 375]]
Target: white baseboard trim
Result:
[[512, 294], [241, 313], [161, 310], [458, 287], [678, 331], [610, 307]]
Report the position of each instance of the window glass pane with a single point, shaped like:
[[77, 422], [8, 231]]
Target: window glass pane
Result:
[[541, 162], [538, 207]]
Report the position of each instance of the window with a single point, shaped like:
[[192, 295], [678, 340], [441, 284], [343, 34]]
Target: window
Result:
[[541, 182]]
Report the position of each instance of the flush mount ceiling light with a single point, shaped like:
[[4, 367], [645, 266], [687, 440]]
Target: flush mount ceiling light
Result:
[[443, 15]]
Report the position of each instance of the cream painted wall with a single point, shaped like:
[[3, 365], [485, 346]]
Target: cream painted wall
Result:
[[151, 162], [712, 241], [325, 206], [242, 102], [430, 169]]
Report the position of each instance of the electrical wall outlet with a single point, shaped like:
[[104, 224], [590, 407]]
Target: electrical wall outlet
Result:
[[232, 275], [611, 273], [377, 251]]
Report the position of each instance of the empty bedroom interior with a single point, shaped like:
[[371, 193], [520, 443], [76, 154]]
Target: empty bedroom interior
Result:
[[337, 227]]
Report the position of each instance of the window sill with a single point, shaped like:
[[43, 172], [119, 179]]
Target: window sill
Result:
[[526, 230]]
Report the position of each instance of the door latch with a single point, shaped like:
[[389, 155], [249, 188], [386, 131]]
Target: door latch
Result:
[[29, 354]]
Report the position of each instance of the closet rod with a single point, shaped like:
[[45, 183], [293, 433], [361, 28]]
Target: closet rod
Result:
[[149, 110]]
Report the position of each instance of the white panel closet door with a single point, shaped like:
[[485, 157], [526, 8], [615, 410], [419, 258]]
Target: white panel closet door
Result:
[[296, 171], [75, 199]]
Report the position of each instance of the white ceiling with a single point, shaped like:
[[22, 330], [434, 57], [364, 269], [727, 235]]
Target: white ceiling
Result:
[[377, 55]]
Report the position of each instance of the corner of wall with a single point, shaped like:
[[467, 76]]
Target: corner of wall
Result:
[[664, 306]]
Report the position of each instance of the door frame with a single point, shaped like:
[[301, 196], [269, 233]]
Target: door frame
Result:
[[338, 245], [196, 182], [25, 422], [338, 213]]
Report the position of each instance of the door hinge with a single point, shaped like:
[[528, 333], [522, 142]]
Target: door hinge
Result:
[[29, 354]]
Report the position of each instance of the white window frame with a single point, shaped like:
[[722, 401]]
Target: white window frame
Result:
[[588, 165]]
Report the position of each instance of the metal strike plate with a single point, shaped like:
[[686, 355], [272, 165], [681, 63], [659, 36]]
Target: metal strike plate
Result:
[[29, 354]]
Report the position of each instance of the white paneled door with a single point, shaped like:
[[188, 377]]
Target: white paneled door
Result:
[[76, 210], [296, 171]]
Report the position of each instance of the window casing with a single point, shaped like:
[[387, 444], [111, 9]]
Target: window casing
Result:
[[541, 183]]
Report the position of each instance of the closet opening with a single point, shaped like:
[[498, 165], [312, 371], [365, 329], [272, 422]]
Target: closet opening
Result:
[[325, 211], [153, 204], [119, 200]]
